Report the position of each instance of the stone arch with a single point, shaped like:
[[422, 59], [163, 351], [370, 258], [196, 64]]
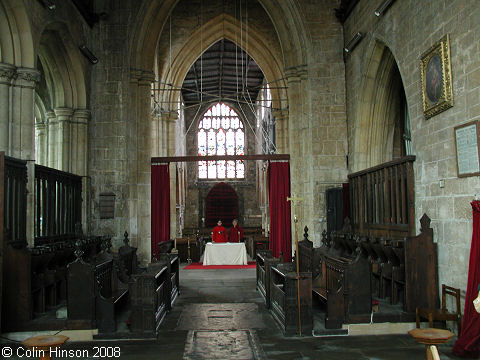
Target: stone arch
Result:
[[16, 42], [378, 109], [223, 26], [62, 68], [153, 16]]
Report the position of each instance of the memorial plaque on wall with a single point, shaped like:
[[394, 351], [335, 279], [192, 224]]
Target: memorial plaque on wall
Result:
[[467, 148], [107, 205]]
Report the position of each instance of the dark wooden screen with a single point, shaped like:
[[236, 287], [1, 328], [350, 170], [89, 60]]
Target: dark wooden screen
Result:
[[58, 204], [382, 198], [15, 190]]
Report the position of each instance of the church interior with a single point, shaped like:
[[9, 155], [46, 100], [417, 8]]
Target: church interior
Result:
[[342, 136]]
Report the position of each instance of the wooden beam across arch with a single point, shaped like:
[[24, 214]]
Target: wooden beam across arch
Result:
[[169, 159]]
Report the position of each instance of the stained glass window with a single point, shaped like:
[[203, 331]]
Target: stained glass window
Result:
[[221, 132]]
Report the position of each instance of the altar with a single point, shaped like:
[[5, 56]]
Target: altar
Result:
[[225, 254]]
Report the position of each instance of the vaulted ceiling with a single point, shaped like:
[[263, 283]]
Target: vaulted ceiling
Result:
[[223, 73]]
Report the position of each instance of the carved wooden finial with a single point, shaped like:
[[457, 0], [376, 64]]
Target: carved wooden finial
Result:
[[281, 257], [424, 223], [305, 233], [78, 249], [126, 241], [324, 238]]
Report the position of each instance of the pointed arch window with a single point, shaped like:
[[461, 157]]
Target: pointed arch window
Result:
[[221, 132]]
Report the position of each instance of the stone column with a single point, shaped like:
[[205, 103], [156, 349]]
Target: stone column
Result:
[[297, 139], [7, 73], [281, 130], [23, 134], [139, 151], [52, 146], [171, 118], [64, 136], [41, 145], [79, 160]]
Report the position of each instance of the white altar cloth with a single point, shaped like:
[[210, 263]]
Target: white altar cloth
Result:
[[225, 254]]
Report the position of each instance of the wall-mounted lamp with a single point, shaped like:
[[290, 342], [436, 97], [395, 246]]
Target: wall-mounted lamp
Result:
[[49, 4], [88, 54], [354, 42], [383, 7]]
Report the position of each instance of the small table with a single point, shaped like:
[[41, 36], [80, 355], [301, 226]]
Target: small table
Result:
[[431, 336], [225, 254], [44, 343]]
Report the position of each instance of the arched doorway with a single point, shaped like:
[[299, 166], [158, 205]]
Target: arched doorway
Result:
[[221, 204]]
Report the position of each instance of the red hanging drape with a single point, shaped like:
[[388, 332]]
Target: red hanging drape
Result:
[[280, 223], [468, 343], [160, 206]]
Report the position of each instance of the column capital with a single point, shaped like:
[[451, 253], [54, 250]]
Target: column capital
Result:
[[7, 73], [280, 115], [170, 116], [27, 77], [296, 73], [50, 114], [63, 113], [142, 76], [82, 115], [40, 125]]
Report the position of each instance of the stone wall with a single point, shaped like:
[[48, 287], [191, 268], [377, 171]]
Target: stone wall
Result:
[[408, 29]]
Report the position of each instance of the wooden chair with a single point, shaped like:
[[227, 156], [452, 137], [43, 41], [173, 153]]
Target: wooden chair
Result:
[[442, 314]]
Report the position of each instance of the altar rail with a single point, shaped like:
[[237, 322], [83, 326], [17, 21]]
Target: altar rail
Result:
[[383, 198], [58, 204]]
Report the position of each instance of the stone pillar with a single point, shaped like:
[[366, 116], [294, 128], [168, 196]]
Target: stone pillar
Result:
[[22, 140], [170, 120], [7, 73], [297, 142], [281, 130], [139, 151], [52, 146], [79, 160], [41, 144], [64, 136]]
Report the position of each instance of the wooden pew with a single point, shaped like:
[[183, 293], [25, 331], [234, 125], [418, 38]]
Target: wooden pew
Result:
[[265, 261], [150, 298], [284, 303], [172, 262], [340, 280], [95, 291]]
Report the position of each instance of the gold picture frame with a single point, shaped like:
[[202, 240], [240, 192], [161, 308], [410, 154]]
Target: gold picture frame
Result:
[[437, 78]]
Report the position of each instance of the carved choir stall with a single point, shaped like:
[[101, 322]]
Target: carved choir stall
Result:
[[35, 277], [264, 264], [284, 299]]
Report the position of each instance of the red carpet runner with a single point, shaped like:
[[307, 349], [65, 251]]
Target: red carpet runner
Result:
[[199, 266]]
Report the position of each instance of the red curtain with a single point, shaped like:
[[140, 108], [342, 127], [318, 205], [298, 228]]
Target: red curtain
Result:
[[280, 223], [468, 343], [160, 206]]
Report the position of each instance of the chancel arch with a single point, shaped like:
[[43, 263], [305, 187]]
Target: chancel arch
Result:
[[163, 52], [382, 129]]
